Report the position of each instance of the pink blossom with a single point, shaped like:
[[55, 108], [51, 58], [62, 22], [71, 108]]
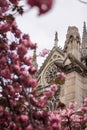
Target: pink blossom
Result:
[[85, 101], [67, 128], [85, 117], [72, 105], [43, 101], [17, 33], [49, 93], [83, 109], [24, 118], [26, 43], [12, 126], [13, 102], [23, 73], [29, 127], [3, 60], [55, 126], [55, 121], [6, 73], [61, 75], [11, 89], [55, 118], [27, 60], [32, 82], [43, 5], [32, 70], [4, 5], [13, 46], [16, 68], [1, 110], [14, 24], [54, 87], [14, 1], [60, 78], [4, 28], [33, 45], [26, 37], [22, 50], [44, 52]]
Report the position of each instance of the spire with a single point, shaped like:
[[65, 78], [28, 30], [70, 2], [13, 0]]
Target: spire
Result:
[[56, 40], [34, 55], [84, 45], [34, 61], [84, 27], [84, 37]]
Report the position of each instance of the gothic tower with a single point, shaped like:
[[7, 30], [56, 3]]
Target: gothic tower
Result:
[[72, 43], [72, 60], [84, 46]]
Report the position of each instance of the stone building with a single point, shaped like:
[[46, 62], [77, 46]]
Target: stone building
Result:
[[72, 60]]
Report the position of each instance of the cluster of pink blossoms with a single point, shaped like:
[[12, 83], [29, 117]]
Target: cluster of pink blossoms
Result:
[[43, 5]]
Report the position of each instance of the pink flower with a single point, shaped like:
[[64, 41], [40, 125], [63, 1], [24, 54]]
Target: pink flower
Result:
[[54, 87], [11, 89], [83, 109], [72, 105], [4, 5], [13, 103], [3, 60], [60, 78], [24, 73], [55, 118], [44, 52], [6, 73], [14, 1], [27, 60], [43, 101], [26, 43], [32, 82], [13, 46], [21, 51], [33, 46], [4, 28], [55, 122], [24, 118], [12, 126], [17, 33], [1, 110], [32, 70], [49, 93], [55, 126], [29, 127], [67, 128], [85, 117], [43, 5], [26, 37], [61, 75], [16, 68], [85, 101]]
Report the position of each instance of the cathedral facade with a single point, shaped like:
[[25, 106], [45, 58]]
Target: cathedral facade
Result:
[[72, 60]]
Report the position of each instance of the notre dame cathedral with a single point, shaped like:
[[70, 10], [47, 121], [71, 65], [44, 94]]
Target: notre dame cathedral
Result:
[[72, 60]]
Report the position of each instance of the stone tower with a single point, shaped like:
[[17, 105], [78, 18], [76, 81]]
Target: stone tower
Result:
[[72, 43], [73, 61], [84, 46]]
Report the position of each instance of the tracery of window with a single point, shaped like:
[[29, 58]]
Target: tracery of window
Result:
[[50, 73]]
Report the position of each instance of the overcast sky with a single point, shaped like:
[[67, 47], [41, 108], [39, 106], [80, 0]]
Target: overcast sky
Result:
[[42, 28]]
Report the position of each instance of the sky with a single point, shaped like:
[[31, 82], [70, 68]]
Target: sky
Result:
[[41, 29]]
